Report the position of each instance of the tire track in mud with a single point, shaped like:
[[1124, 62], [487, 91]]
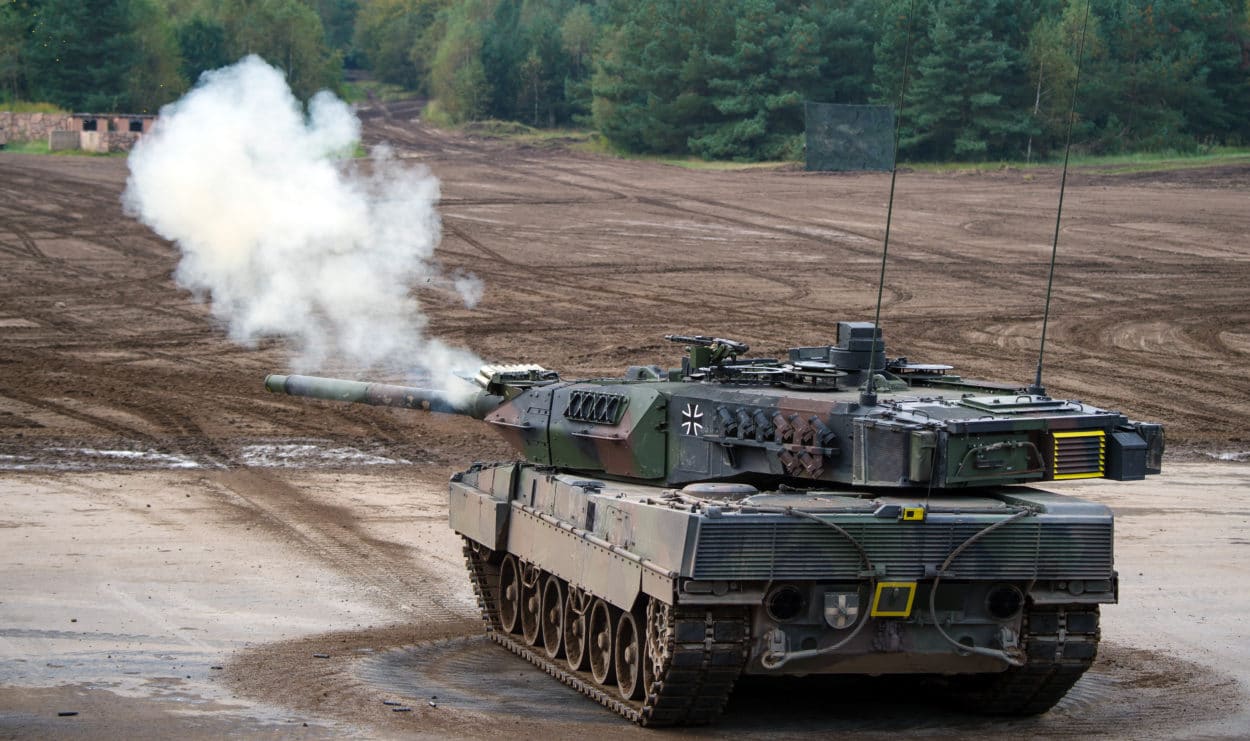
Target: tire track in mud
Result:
[[74, 210], [385, 573], [599, 285], [544, 274], [1102, 345], [623, 191], [115, 287], [953, 261], [620, 191], [667, 200], [175, 433], [28, 247], [764, 310], [480, 690]]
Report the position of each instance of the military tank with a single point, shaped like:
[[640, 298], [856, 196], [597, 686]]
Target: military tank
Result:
[[832, 512]]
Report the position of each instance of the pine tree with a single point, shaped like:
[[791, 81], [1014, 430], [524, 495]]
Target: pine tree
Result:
[[757, 86], [848, 32], [1173, 73], [79, 54], [202, 41], [156, 77], [15, 26], [651, 81], [578, 35], [287, 34], [968, 93], [397, 39]]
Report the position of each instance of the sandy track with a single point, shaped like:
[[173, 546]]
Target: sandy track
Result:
[[206, 602], [309, 528]]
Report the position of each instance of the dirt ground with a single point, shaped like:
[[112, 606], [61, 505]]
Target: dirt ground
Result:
[[182, 553]]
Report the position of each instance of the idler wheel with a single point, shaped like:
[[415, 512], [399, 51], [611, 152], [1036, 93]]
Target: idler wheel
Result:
[[628, 657], [575, 628], [509, 594], [553, 617], [599, 638], [531, 605]]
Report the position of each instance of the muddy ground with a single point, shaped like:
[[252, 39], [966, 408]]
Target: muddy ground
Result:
[[179, 549]]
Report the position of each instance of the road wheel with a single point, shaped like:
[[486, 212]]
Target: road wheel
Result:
[[628, 657], [509, 594], [553, 617], [600, 640], [531, 604], [576, 609]]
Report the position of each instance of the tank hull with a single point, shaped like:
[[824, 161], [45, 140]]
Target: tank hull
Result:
[[653, 601]]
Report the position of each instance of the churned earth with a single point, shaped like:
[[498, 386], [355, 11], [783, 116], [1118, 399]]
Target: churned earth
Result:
[[182, 553]]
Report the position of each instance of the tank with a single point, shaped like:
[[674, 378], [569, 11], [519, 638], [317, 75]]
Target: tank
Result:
[[836, 511]]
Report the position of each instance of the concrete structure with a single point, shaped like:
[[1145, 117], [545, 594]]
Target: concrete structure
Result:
[[111, 132], [59, 140], [92, 132], [25, 127]]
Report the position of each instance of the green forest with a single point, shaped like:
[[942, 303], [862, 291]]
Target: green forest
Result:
[[719, 79]]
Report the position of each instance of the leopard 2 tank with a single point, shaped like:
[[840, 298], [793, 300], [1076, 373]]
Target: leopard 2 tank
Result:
[[831, 512]]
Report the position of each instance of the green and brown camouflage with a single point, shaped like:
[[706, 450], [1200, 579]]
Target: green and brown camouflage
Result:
[[671, 530], [798, 421]]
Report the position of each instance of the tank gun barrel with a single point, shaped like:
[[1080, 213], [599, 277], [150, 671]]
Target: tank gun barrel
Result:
[[383, 394]]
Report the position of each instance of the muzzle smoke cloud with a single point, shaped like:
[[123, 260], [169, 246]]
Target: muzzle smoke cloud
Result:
[[286, 235]]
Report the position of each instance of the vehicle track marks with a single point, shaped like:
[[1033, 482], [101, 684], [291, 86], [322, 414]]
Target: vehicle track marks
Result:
[[385, 572]]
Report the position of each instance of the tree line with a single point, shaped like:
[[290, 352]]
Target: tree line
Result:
[[722, 79], [136, 55]]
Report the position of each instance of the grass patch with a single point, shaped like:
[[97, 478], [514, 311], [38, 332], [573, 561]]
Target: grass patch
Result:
[[433, 113], [1112, 164], [696, 163], [21, 106], [41, 147], [35, 147], [1163, 161], [520, 133], [956, 168], [364, 90], [496, 129], [594, 143]]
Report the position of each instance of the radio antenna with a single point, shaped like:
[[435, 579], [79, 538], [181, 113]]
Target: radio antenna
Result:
[[1037, 389], [868, 394]]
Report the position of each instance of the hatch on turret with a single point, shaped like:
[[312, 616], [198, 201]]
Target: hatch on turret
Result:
[[1008, 404]]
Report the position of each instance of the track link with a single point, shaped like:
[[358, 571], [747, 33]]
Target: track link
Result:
[[706, 650], [1061, 643]]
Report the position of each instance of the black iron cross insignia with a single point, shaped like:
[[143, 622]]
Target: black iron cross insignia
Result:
[[692, 420]]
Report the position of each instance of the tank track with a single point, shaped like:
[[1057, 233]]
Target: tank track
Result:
[[1060, 644], [704, 654]]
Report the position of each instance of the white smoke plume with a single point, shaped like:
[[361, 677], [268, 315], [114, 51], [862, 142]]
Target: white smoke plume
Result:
[[286, 235]]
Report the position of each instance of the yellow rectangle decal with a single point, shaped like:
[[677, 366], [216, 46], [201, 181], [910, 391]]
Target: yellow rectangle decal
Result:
[[893, 598]]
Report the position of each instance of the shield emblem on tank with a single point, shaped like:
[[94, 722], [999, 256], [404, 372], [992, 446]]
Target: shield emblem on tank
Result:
[[841, 609]]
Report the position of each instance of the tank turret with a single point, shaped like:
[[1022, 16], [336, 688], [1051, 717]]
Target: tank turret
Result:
[[799, 421]]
